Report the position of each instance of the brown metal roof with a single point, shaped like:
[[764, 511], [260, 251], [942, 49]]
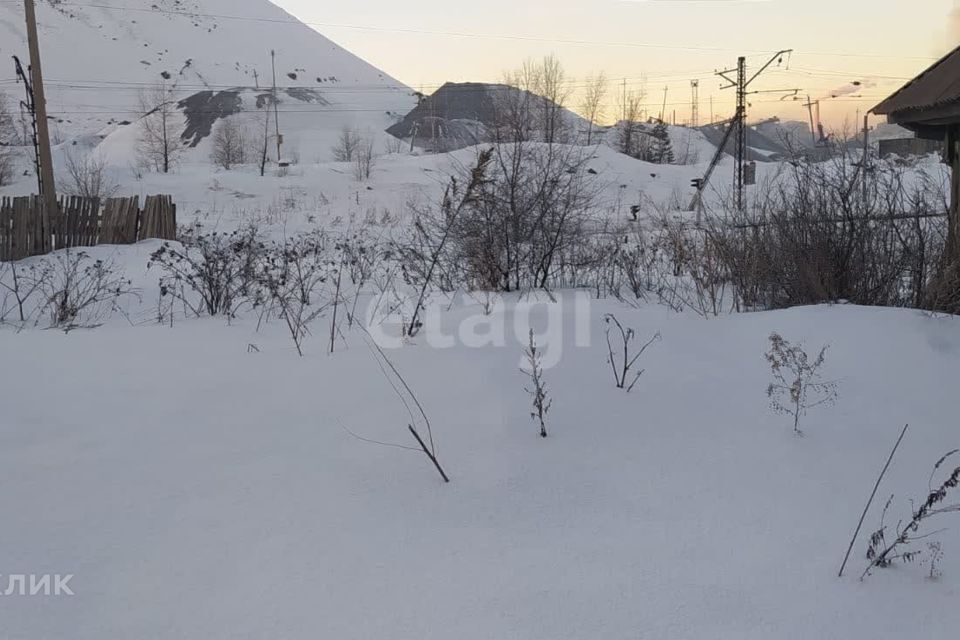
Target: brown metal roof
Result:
[[936, 87]]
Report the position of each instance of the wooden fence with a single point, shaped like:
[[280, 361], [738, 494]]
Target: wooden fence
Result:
[[82, 222]]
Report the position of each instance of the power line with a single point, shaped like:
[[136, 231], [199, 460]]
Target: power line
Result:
[[460, 34]]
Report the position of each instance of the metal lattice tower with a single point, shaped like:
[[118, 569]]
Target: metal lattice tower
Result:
[[741, 124], [695, 103]]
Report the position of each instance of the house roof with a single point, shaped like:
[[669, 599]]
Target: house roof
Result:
[[927, 96]]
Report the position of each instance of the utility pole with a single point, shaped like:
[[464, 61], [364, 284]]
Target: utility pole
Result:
[[739, 123], [48, 189], [741, 118], [813, 130], [256, 79], [865, 161], [663, 109], [276, 108], [28, 105], [695, 108], [624, 100]]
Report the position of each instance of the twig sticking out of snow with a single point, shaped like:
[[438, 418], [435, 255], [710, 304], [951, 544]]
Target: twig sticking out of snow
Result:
[[621, 370], [407, 397], [541, 401], [870, 501]]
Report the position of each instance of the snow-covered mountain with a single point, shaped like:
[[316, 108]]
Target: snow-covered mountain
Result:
[[97, 59]]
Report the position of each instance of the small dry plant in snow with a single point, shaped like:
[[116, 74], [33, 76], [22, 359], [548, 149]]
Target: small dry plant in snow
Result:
[[78, 291], [883, 553], [798, 385], [18, 284], [538, 388], [292, 277], [623, 362]]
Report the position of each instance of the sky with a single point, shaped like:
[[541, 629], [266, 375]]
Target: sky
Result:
[[862, 50]]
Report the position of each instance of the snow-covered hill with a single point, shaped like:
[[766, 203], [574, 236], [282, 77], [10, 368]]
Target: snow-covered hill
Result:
[[97, 60]]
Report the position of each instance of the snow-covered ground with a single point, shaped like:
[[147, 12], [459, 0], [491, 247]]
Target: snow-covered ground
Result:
[[313, 192], [201, 480], [199, 488]]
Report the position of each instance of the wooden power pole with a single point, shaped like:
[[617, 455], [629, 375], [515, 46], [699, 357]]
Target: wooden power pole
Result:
[[48, 188], [276, 107]]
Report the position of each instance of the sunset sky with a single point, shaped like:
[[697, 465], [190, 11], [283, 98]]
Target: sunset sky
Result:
[[878, 43]]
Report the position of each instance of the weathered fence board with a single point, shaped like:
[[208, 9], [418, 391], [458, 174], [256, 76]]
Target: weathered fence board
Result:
[[82, 222], [159, 219], [120, 218]]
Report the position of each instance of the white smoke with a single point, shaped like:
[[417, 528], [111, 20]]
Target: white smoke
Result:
[[849, 89]]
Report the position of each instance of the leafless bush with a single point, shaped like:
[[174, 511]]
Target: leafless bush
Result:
[[8, 140], [632, 139], [623, 364], [882, 553], [538, 386], [424, 253], [347, 144], [532, 207], [821, 235], [361, 259], [798, 384], [231, 144], [292, 276], [8, 127], [213, 273], [701, 280], [87, 176], [78, 291], [8, 165], [526, 216], [365, 159], [20, 282]]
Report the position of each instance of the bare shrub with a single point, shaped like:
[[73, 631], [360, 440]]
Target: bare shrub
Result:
[[8, 165], [798, 385], [365, 159], [78, 291], [212, 273], [701, 280], [818, 234], [424, 252], [631, 138], [530, 210], [20, 282], [8, 140], [883, 553], [292, 276], [345, 150], [87, 176], [8, 127], [623, 364], [538, 386], [230, 144]]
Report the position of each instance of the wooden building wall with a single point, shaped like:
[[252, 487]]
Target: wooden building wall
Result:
[[952, 154]]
